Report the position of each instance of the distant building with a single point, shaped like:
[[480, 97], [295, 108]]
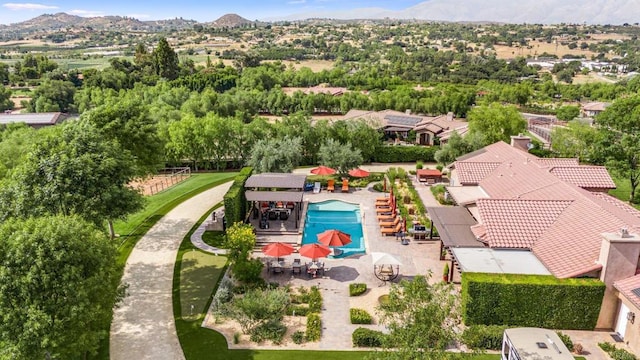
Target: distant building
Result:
[[35, 120], [593, 108]]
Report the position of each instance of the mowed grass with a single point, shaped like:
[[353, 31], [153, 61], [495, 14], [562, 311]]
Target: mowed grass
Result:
[[199, 272], [622, 190], [160, 204]]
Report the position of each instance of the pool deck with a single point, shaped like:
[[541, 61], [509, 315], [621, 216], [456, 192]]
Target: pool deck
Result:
[[418, 258]]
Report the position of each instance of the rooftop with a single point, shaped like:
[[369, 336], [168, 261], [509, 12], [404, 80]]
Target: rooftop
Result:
[[630, 288], [39, 119], [536, 343], [488, 260], [276, 180]]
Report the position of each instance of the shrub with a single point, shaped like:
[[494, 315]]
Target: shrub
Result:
[[315, 299], [223, 295], [271, 330], [615, 353], [531, 301], [297, 310], [314, 327], [362, 337], [357, 289], [297, 337], [566, 339], [235, 207], [419, 165], [236, 337], [438, 192], [359, 316], [484, 337]]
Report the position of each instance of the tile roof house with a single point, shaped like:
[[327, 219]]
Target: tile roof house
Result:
[[592, 109], [35, 120], [558, 211]]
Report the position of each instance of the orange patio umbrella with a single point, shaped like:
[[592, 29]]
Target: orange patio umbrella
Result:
[[323, 170], [277, 249], [314, 251], [334, 238], [359, 173]]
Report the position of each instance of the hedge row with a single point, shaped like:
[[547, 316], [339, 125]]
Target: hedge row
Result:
[[359, 316], [314, 327], [531, 301], [235, 202], [483, 337], [363, 337], [390, 154], [357, 289]]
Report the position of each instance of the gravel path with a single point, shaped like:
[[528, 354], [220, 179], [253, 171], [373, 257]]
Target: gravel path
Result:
[[143, 326]]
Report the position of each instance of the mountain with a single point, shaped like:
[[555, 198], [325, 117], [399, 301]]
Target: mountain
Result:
[[506, 11], [230, 21]]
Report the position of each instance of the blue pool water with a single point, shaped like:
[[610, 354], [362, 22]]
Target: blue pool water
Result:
[[334, 214]]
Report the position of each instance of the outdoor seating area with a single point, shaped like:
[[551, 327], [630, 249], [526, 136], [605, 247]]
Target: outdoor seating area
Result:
[[388, 219]]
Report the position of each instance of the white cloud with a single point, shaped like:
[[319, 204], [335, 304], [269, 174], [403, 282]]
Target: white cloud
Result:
[[86, 13], [28, 6], [296, 2]]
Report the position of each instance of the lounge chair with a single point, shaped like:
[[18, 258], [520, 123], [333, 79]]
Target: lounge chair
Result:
[[383, 203], [316, 187], [384, 210], [330, 185], [387, 217], [345, 185], [384, 198], [390, 223], [391, 231]]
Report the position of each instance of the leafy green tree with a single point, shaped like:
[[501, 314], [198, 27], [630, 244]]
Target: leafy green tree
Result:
[[5, 98], [454, 148], [72, 170], [341, 157], [276, 155], [165, 60], [421, 318], [620, 125], [4, 73], [257, 307], [53, 96], [569, 112], [59, 282], [496, 122], [240, 242], [15, 143], [577, 140], [129, 123]]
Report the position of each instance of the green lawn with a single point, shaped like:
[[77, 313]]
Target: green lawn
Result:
[[160, 204], [622, 190], [199, 273], [214, 238]]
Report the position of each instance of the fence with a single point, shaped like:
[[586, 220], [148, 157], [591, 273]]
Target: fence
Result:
[[165, 179]]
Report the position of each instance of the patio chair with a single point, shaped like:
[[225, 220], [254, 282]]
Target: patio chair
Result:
[[345, 185], [393, 223], [387, 217], [331, 185], [384, 210], [388, 231], [316, 187]]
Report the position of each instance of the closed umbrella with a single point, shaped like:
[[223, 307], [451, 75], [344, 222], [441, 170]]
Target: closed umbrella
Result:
[[359, 173], [314, 251], [323, 170], [334, 238], [277, 249]]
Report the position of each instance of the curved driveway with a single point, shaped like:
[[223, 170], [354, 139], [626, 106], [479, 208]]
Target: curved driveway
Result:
[[143, 326]]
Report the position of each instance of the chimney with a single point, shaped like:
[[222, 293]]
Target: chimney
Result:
[[521, 142], [450, 116]]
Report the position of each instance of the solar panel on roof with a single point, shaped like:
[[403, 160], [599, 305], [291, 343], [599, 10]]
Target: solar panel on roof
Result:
[[636, 292], [402, 120]]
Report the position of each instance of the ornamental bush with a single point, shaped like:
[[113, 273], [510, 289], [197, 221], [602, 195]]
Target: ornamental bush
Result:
[[359, 316], [314, 327], [362, 337], [357, 289], [531, 301], [484, 337], [615, 353], [314, 299]]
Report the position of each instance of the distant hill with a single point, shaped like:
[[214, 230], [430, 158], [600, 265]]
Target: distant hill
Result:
[[230, 21]]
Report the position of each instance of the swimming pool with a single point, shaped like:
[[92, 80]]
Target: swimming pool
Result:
[[335, 214]]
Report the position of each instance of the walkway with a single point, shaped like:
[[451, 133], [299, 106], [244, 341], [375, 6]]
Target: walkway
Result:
[[143, 326]]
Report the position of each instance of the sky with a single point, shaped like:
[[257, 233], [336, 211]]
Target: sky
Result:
[[200, 10]]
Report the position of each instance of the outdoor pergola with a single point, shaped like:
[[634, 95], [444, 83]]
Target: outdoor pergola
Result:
[[278, 190]]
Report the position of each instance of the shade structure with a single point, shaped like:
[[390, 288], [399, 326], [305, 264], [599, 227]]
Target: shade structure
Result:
[[334, 238], [323, 170], [314, 251], [358, 173], [381, 258], [277, 249]]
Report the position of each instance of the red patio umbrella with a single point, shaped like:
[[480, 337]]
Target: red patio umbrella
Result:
[[277, 249], [314, 251], [358, 173], [323, 170], [334, 238]]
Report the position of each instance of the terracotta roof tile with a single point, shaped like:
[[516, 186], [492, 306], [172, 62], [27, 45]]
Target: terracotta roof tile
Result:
[[594, 177], [518, 223], [551, 162], [480, 231], [471, 173], [626, 288], [428, 172]]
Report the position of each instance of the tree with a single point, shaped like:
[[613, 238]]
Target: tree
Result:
[[5, 98], [341, 157], [59, 282], [15, 143], [569, 112], [620, 126], [421, 318], [455, 147], [257, 307], [165, 60], [276, 155], [496, 122], [53, 96], [577, 140], [72, 170]]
